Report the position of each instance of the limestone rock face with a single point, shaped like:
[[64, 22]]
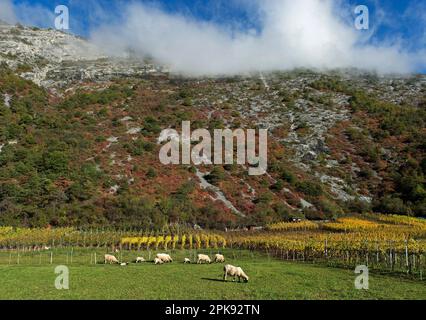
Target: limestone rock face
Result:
[[308, 122], [52, 58], [304, 122]]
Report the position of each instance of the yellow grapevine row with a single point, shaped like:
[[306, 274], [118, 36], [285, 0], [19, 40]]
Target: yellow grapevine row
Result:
[[198, 240], [16, 237], [321, 242], [293, 226]]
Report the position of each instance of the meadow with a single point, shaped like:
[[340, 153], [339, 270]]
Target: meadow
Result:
[[270, 279], [287, 260]]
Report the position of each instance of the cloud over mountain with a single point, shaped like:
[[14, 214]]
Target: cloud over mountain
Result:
[[7, 12], [305, 33]]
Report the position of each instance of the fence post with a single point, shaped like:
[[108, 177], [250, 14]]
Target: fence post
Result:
[[407, 263], [326, 248], [377, 253]]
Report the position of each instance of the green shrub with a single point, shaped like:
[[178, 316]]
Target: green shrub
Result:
[[151, 174], [278, 186], [310, 188], [188, 102], [55, 162], [216, 176], [151, 126], [288, 176], [392, 205]]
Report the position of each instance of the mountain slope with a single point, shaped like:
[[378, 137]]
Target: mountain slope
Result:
[[79, 140]]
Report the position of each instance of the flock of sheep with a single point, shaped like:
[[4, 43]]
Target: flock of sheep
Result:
[[162, 258]]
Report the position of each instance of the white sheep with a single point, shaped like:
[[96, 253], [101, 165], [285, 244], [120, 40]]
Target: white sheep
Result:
[[124, 264], [140, 259], [110, 259], [234, 272], [158, 261], [186, 261], [202, 258], [219, 258], [166, 258]]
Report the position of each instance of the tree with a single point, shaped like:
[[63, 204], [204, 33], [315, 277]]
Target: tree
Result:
[[278, 186], [55, 162], [309, 188], [151, 174], [392, 205], [217, 175]]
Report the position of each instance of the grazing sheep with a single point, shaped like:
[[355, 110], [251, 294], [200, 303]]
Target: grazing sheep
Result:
[[158, 261], [110, 259], [218, 258], [140, 259], [234, 272], [164, 257], [202, 258], [186, 261]]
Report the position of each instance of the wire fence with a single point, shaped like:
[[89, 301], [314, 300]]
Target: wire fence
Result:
[[95, 256], [390, 261]]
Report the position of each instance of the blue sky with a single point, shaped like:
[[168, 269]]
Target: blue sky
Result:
[[83, 18], [400, 21], [225, 11]]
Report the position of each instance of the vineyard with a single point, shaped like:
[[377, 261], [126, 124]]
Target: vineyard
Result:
[[37, 239], [385, 243]]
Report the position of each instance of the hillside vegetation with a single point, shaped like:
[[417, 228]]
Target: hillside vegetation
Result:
[[87, 155]]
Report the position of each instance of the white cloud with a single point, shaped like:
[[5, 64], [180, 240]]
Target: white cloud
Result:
[[26, 13], [7, 13], [303, 33]]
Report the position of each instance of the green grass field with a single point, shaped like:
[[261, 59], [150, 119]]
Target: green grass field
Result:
[[34, 278]]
